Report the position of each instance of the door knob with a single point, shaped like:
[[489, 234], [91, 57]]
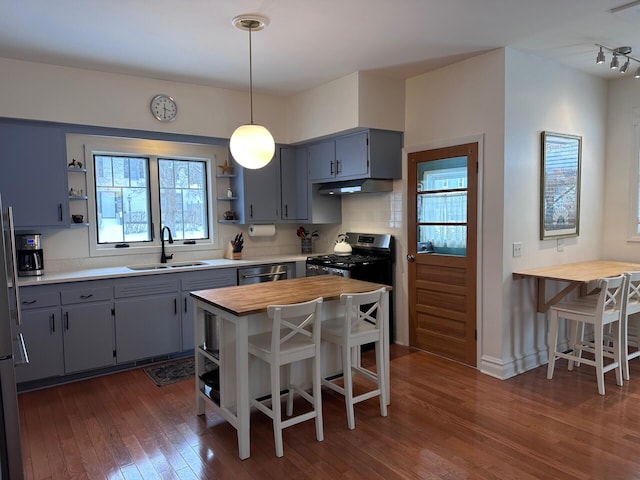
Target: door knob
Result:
[[411, 258]]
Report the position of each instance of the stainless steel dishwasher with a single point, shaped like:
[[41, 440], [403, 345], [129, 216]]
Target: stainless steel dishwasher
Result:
[[262, 273]]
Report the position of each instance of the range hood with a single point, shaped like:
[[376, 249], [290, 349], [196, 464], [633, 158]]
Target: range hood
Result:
[[361, 185]]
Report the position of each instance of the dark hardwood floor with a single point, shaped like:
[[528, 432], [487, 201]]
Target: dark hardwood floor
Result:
[[446, 421]]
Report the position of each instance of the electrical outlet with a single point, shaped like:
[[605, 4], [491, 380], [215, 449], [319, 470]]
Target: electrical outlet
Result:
[[517, 249], [560, 246]]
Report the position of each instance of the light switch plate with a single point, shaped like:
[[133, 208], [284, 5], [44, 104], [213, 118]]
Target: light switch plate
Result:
[[517, 249], [560, 246]]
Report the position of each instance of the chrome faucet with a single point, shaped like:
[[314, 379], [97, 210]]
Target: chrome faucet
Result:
[[164, 257]]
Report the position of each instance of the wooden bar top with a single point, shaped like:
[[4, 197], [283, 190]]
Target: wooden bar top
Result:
[[255, 298], [580, 271]]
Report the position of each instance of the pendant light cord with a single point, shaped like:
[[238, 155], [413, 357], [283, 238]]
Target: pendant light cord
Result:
[[250, 77]]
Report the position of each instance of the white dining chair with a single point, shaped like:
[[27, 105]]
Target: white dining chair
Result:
[[361, 324], [604, 313], [631, 321], [294, 337]]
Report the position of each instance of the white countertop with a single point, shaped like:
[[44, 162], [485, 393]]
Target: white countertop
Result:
[[123, 271]]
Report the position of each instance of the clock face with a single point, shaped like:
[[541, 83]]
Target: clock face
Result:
[[164, 108]]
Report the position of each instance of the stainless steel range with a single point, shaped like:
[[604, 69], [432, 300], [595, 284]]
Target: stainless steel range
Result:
[[371, 259]]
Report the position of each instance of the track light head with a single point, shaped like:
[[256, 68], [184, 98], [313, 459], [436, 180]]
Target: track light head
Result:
[[625, 67], [600, 57], [614, 62]]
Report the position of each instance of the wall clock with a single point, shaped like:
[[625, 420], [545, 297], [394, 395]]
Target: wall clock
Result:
[[164, 108]]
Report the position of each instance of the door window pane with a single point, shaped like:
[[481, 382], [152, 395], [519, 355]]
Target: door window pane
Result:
[[442, 206], [447, 207], [122, 199], [183, 198]]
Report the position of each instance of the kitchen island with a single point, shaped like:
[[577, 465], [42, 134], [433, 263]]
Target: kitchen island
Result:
[[240, 312]]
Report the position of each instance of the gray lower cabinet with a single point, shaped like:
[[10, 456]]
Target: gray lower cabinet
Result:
[[87, 336], [81, 326], [42, 332], [66, 329], [226, 277], [147, 318], [87, 325]]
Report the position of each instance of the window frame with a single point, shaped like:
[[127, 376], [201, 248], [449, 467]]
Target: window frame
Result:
[[154, 150]]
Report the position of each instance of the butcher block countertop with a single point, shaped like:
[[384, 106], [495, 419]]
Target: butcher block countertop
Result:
[[255, 298], [579, 271]]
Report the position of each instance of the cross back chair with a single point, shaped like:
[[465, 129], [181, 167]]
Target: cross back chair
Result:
[[295, 337], [605, 315], [631, 322], [360, 325]]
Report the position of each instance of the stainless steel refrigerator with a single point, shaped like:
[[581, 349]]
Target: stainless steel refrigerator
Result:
[[10, 341]]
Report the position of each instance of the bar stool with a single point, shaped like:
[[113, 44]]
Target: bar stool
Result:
[[295, 336], [631, 323], [605, 312], [360, 325]]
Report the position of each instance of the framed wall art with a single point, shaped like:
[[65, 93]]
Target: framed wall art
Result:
[[560, 185]]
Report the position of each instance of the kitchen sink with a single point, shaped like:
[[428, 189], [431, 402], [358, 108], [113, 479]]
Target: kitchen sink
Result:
[[186, 264], [147, 267], [163, 266]]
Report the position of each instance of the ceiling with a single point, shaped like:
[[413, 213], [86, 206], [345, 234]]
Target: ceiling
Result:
[[307, 43]]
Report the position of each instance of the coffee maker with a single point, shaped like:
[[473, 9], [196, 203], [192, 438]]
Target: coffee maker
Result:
[[29, 255]]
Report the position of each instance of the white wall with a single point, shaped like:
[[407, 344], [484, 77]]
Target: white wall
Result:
[[542, 95], [624, 97], [357, 100], [71, 95], [320, 111], [381, 102], [448, 106]]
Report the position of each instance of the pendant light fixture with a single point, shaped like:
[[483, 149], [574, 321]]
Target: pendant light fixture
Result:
[[252, 145]]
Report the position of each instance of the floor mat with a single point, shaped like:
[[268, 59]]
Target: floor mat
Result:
[[171, 372]]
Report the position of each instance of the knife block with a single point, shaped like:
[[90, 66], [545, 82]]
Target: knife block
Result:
[[230, 254]]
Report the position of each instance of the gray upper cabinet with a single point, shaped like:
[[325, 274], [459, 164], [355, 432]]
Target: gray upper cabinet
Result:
[[293, 183], [366, 154], [276, 192], [322, 160], [258, 193], [352, 156], [35, 181]]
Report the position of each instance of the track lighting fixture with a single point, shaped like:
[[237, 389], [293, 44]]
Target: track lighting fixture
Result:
[[618, 52]]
